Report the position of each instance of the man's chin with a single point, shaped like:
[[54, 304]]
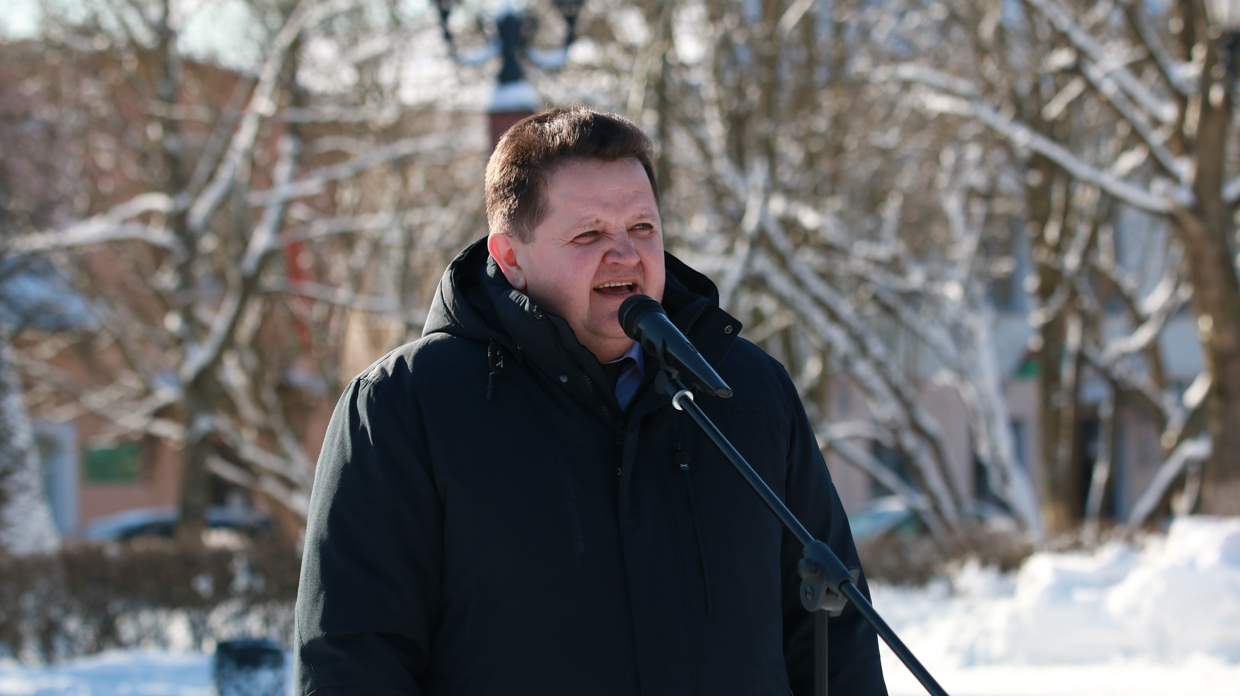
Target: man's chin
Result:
[[605, 338]]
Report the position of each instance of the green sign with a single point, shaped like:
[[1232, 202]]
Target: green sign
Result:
[[121, 463]]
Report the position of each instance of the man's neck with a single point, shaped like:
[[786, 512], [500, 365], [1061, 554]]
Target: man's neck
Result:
[[613, 352]]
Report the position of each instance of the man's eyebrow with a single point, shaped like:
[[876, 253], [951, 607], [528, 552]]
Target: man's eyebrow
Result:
[[593, 220]]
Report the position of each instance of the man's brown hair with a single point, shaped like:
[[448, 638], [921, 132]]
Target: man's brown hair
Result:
[[536, 146]]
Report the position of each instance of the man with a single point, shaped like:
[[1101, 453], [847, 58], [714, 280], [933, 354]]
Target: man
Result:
[[508, 506]]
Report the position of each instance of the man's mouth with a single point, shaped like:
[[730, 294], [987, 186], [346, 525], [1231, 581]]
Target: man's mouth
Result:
[[616, 288]]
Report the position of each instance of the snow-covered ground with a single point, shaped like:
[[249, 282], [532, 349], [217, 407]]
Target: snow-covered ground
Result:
[[1157, 619], [114, 674]]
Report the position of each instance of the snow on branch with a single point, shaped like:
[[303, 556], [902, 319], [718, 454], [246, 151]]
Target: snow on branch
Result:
[[315, 180], [387, 220], [754, 204], [86, 234], [861, 458], [114, 403], [344, 297], [1107, 61], [262, 243], [873, 349], [318, 229], [115, 225], [1104, 85], [1190, 404], [916, 73], [256, 456], [1173, 72], [292, 499], [953, 95], [1126, 380], [262, 105], [1195, 450], [978, 378], [294, 465], [1162, 304], [886, 407]]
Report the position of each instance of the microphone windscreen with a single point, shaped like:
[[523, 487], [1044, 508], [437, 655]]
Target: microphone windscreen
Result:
[[632, 310]]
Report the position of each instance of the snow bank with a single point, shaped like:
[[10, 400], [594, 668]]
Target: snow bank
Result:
[[1175, 597], [122, 673], [1159, 617], [113, 674]]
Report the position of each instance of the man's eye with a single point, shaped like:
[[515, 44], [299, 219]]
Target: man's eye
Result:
[[587, 236]]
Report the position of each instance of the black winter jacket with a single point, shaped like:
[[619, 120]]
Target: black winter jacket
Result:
[[486, 520]]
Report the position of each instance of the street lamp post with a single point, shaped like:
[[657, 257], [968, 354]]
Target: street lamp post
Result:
[[513, 97]]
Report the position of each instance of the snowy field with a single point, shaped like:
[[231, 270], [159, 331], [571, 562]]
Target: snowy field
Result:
[[1158, 619]]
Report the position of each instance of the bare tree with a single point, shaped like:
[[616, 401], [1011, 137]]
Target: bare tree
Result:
[[1068, 75], [244, 228]]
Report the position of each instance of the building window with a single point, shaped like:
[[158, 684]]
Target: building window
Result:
[[58, 453], [891, 460]]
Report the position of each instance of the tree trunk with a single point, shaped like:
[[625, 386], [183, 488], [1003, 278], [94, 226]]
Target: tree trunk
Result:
[[194, 475], [25, 517], [1216, 289], [1058, 484], [1216, 309], [1060, 489]]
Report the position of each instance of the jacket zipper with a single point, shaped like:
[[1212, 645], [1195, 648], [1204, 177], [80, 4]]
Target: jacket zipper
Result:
[[681, 456]]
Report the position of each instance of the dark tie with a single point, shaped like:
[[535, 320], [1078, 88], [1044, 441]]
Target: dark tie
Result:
[[612, 371]]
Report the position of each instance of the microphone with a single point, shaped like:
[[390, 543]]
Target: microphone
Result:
[[644, 321]]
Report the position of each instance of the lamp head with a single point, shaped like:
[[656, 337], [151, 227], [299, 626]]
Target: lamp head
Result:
[[569, 8], [1224, 15]]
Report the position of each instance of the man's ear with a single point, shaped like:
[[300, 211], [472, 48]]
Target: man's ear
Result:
[[503, 249]]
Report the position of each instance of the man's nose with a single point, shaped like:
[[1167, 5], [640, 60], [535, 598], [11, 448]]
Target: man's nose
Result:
[[622, 250]]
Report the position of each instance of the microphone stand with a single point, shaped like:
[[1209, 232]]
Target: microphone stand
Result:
[[826, 585]]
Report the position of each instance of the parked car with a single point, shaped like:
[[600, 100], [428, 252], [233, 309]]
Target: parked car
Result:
[[893, 515], [887, 515], [162, 521]]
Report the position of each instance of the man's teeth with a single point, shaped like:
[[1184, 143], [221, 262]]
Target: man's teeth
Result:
[[612, 285]]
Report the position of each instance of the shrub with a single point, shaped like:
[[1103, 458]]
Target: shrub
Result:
[[85, 599], [913, 559]]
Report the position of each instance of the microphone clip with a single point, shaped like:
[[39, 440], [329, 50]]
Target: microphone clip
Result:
[[671, 385]]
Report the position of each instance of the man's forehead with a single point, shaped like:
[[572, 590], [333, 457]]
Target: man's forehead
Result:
[[601, 191]]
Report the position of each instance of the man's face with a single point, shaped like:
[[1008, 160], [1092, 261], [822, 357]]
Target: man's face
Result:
[[600, 242]]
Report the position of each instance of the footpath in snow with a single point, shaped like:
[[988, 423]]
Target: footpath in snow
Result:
[[1157, 619]]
